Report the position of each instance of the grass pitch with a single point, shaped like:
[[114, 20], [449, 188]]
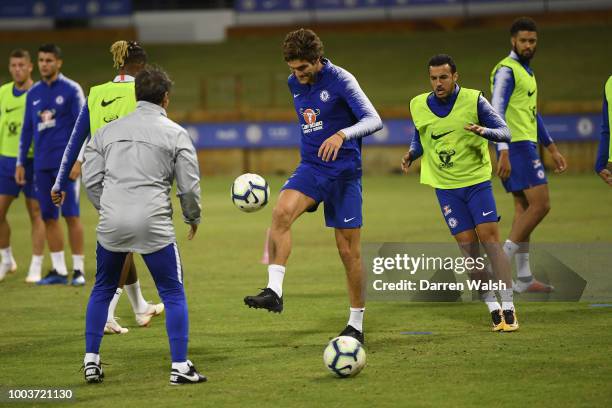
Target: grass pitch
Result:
[[560, 357]]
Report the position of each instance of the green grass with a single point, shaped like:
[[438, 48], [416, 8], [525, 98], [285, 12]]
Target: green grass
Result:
[[572, 64], [560, 357]]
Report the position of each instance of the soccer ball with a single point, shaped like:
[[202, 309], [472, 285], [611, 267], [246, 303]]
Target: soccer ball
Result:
[[250, 192], [344, 356]]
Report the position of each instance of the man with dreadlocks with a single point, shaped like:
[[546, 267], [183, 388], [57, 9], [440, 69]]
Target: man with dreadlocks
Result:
[[106, 103]]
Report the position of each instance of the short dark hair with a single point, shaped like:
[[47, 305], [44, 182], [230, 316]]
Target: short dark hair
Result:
[[442, 59], [51, 48], [523, 24], [152, 83], [302, 44], [20, 53]]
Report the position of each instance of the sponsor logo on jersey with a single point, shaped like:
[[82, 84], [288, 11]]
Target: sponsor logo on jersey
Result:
[[47, 119], [445, 155], [310, 117], [13, 127]]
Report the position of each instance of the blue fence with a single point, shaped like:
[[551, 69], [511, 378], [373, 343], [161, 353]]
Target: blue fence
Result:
[[395, 132], [64, 9]]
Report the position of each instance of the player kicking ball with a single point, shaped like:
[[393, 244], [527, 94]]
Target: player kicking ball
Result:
[[334, 114], [453, 127]]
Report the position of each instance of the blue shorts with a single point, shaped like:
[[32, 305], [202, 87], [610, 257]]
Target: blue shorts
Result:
[[43, 181], [527, 169], [464, 208], [8, 185], [342, 198]]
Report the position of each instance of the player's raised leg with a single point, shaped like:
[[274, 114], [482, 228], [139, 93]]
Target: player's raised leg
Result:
[[290, 205], [166, 269], [348, 241]]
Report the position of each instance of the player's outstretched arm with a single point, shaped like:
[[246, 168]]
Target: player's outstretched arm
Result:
[[187, 172]]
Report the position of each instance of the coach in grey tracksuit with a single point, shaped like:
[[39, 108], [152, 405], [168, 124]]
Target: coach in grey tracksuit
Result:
[[130, 165]]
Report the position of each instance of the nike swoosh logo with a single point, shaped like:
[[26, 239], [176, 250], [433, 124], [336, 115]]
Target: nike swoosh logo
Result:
[[530, 93], [10, 110], [106, 103], [484, 214], [193, 377], [349, 219], [296, 95], [36, 102], [436, 137]]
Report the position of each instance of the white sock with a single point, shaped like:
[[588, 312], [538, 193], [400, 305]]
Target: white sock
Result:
[[91, 357], [78, 263], [113, 305], [36, 265], [139, 305], [7, 256], [507, 297], [356, 318], [510, 249], [523, 271], [491, 301], [59, 263], [276, 273], [183, 367]]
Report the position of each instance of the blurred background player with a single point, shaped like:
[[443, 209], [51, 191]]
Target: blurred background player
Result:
[[515, 94], [52, 107], [603, 163], [334, 114], [453, 126], [106, 103], [129, 169], [12, 109]]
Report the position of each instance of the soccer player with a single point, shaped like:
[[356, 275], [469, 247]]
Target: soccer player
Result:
[[334, 114], [12, 108], [453, 127], [515, 93], [108, 102], [130, 165], [52, 106], [604, 152]]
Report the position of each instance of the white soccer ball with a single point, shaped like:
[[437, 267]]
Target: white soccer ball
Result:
[[344, 356], [250, 192]]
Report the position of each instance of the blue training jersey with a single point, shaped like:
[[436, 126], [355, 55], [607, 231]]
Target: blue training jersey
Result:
[[335, 102], [51, 111]]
